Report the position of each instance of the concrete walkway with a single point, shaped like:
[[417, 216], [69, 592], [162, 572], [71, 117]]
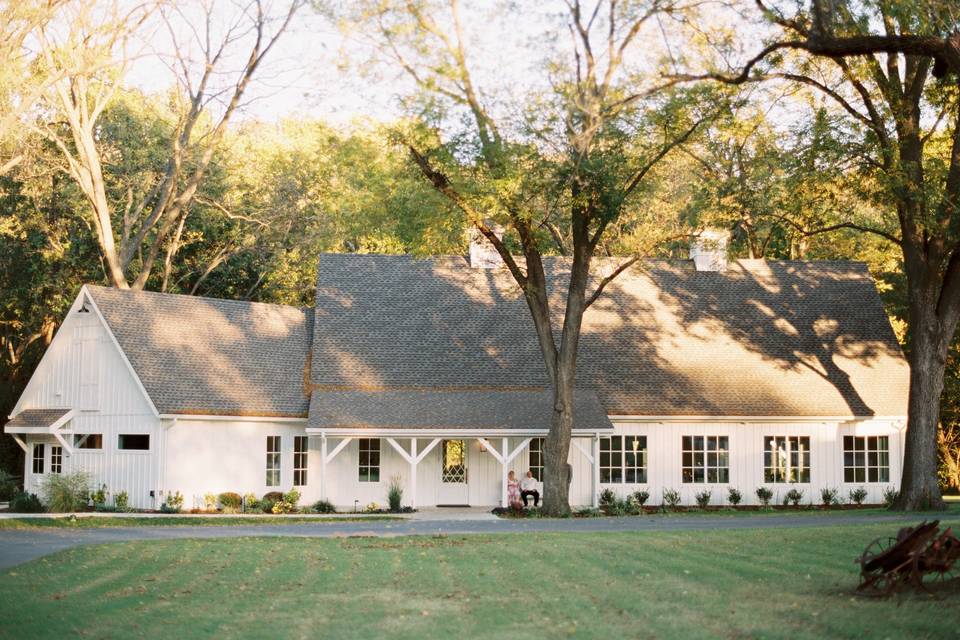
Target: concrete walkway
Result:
[[22, 545]]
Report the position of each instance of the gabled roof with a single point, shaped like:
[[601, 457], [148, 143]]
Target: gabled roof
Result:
[[212, 357], [761, 339], [35, 419]]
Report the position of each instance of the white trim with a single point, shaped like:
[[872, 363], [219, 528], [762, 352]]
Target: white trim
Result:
[[748, 419], [123, 356], [220, 418], [20, 441], [586, 455], [337, 449], [446, 434], [491, 450]]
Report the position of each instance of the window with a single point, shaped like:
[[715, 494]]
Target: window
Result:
[[369, 459], [56, 459], [133, 442], [273, 461], [300, 461], [536, 458], [38, 451], [706, 459], [866, 459], [454, 459], [623, 459], [88, 441], [786, 459]]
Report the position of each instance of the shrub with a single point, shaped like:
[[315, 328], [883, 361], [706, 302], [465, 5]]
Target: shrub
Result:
[[283, 506], [764, 495], [250, 503], [607, 497], [623, 507], [8, 486], [641, 497], [66, 492], [209, 502], [829, 497], [173, 503], [671, 498], [292, 496], [122, 501], [734, 496], [794, 496], [858, 495], [395, 494], [99, 496], [890, 495], [23, 502], [324, 506], [587, 512], [703, 498], [230, 500], [270, 499], [373, 507]]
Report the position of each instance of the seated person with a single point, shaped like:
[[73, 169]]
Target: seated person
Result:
[[529, 487]]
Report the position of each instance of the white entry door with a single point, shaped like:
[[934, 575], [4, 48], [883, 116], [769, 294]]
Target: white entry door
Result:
[[453, 473]]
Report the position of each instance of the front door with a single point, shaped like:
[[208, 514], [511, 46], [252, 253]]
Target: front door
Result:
[[453, 473]]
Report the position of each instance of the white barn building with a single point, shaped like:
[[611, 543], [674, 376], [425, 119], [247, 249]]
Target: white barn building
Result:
[[692, 375]]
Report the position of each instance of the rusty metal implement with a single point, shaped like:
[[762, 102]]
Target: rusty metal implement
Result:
[[890, 564]]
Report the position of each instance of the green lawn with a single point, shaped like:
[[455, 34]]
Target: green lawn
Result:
[[784, 583], [94, 522]]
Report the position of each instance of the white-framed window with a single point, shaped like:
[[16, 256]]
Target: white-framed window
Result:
[[39, 450], [56, 459], [786, 459], [273, 461], [300, 448], [705, 459], [623, 459], [369, 460], [133, 442], [88, 441], [866, 459], [536, 458]]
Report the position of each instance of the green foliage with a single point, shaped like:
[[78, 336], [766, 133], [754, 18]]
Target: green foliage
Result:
[[829, 496], [703, 498], [66, 492], [734, 497], [671, 498], [8, 485], [324, 506], [99, 497], [251, 504], [230, 500], [24, 502], [607, 497], [858, 495], [173, 503], [794, 496], [764, 495], [641, 496], [395, 494], [890, 495], [292, 496], [122, 501]]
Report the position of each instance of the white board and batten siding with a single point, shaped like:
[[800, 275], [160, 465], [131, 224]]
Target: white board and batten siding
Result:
[[83, 369]]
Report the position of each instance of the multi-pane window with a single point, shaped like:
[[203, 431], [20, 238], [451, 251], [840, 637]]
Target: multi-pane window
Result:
[[299, 461], [623, 459], [786, 459], [536, 458], [38, 453], [56, 459], [454, 457], [133, 442], [88, 441], [273, 461], [369, 460], [706, 459], [866, 459]]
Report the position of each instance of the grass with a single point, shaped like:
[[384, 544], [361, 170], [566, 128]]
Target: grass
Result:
[[787, 583], [94, 522]]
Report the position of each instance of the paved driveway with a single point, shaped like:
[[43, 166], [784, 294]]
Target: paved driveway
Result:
[[22, 545]]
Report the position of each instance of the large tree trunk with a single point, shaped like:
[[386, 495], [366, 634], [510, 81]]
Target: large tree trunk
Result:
[[556, 480], [919, 489]]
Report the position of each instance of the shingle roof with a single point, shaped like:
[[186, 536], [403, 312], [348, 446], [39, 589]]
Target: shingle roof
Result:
[[448, 409], [761, 339], [205, 356], [35, 418]]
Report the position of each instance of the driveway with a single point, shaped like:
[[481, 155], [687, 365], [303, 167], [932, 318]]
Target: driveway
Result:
[[22, 545]]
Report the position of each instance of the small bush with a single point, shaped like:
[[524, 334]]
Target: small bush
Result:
[[858, 495], [99, 496], [230, 500], [209, 502], [829, 496], [66, 492], [173, 503], [703, 498], [292, 496], [250, 503], [890, 495], [607, 497], [324, 506], [734, 496], [283, 507], [794, 496], [623, 507], [122, 501], [8, 486], [270, 499], [641, 497], [587, 512], [23, 502], [764, 495], [395, 494], [671, 498]]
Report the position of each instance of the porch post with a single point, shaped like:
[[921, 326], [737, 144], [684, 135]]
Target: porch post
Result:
[[323, 466], [413, 472], [596, 470], [503, 466]]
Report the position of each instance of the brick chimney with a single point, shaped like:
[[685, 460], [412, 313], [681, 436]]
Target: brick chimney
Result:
[[709, 250]]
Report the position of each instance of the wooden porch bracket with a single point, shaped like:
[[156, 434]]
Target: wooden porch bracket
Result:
[[413, 458]]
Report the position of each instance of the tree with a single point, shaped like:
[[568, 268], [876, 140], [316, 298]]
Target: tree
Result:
[[567, 166], [909, 147], [86, 55]]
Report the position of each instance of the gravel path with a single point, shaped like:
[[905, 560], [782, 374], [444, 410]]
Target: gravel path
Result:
[[22, 545]]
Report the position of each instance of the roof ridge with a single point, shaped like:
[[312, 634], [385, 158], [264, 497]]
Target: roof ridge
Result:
[[187, 296]]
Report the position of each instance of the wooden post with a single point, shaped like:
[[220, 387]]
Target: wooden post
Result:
[[413, 472], [503, 465], [323, 467], [596, 471]]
